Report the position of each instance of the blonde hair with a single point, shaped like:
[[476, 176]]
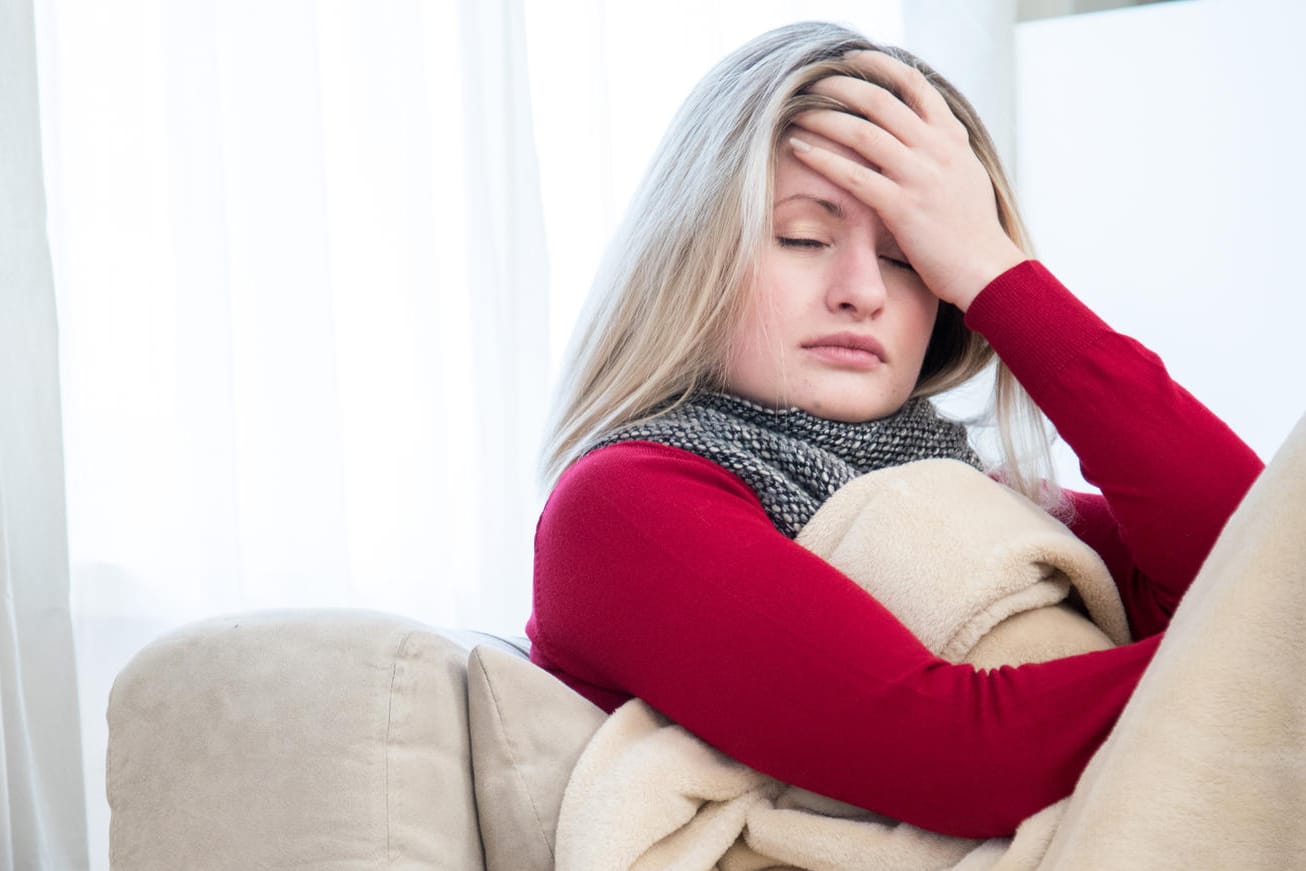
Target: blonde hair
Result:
[[660, 315]]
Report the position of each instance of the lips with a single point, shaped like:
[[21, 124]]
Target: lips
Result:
[[852, 350]]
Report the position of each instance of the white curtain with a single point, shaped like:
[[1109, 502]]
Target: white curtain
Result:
[[302, 292], [309, 314], [42, 808]]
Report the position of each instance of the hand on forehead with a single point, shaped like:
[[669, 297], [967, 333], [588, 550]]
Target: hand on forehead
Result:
[[910, 161], [893, 86], [898, 101]]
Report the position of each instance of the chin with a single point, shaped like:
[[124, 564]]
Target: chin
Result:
[[844, 411]]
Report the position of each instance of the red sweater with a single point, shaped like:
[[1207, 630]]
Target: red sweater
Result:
[[658, 575]]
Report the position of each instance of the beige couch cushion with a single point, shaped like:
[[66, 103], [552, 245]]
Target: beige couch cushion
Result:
[[306, 739], [528, 729]]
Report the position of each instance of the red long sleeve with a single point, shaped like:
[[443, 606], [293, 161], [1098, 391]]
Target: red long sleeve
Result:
[[659, 575], [1170, 472]]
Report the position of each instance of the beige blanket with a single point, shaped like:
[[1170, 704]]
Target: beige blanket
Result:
[[1206, 768]]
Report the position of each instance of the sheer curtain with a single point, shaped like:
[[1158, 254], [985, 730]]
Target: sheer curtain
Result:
[[301, 284], [42, 808], [308, 310]]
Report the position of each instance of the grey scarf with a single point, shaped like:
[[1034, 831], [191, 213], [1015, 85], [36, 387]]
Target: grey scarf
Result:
[[794, 460]]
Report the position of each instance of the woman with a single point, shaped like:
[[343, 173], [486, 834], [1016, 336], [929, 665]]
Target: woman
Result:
[[824, 239]]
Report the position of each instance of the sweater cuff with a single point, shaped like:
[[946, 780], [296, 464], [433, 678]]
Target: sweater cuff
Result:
[[1033, 322]]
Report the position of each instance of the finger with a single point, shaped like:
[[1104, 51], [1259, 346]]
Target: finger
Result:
[[916, 90], [874, 144], [864, 183], [876, 103]]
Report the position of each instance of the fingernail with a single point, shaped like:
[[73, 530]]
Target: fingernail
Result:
[[799, 145]]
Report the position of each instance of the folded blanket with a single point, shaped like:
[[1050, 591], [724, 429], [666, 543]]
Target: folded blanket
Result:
[[953, 554], [1207, 767]]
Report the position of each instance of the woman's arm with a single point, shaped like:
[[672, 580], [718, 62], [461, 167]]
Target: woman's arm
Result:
[[659, 575], [1171, 472]]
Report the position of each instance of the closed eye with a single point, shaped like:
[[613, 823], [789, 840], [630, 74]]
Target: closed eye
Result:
[[789, 242], [900, 264]]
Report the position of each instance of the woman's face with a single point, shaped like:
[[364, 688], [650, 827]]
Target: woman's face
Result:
[[834, 323]]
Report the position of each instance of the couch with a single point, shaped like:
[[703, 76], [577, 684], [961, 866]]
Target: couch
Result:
[[338, 739], [355, 740]]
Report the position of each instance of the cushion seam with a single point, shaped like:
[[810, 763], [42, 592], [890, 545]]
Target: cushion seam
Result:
[[389, 723], [512, 759]]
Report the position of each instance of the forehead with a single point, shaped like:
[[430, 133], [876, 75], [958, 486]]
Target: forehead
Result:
[[792, 176]]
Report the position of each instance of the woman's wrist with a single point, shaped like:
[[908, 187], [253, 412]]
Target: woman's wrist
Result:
[[982, 271]]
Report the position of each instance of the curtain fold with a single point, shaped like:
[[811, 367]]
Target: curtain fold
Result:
[[303, 299], [42, 806], [508, 288]]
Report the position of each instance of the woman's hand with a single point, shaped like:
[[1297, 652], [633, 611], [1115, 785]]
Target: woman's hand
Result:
[[928, 187]]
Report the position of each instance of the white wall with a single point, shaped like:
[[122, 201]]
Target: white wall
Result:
[[1159, 166]]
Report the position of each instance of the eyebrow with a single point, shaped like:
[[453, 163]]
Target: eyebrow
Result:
[[833, 208]]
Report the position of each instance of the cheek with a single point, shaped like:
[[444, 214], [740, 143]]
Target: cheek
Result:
[[756, 357], [753, 350], [756, 331], [926, 312]]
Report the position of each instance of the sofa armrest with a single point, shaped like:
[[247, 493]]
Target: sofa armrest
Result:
[[294, 739]]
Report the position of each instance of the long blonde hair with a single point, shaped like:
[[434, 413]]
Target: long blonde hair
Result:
[[658, 321]]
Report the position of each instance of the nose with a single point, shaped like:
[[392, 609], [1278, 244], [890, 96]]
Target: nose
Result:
[[856, 284]]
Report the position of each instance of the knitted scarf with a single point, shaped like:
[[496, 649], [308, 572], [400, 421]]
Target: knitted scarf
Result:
[[794, 460]]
